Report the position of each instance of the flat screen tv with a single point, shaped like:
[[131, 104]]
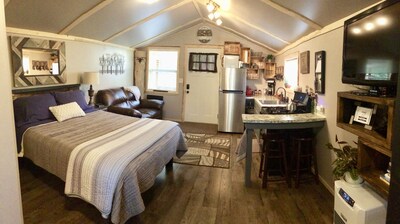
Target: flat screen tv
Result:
[[371, 49]]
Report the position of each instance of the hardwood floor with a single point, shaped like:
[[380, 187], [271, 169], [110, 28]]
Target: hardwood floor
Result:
[[187, 194]]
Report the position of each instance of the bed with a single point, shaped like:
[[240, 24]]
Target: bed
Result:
[[106, 159]]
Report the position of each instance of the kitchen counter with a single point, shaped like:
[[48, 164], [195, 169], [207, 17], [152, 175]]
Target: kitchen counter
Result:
[[275, 121], [281, 118]]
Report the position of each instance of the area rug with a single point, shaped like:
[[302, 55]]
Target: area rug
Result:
[[206, 150]]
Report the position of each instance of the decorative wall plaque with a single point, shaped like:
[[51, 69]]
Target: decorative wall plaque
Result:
[[204, 34]]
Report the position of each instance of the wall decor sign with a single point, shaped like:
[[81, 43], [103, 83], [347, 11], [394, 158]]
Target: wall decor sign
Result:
[[112, 64], [204, 34], [363, 115], [305, 62], [37, 61]]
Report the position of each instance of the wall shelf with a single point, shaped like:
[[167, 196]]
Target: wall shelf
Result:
[[374, 146]]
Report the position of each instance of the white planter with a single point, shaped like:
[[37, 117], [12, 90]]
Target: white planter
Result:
[[348, 179]]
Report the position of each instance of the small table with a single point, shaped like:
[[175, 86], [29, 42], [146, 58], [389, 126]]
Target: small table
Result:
[[100, 107], [275, 121]]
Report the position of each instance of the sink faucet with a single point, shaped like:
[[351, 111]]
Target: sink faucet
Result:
[[283, 97]]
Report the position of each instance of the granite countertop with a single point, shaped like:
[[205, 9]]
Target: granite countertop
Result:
[[282, 118]]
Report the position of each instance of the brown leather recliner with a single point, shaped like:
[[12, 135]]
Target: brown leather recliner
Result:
[[127, 101]]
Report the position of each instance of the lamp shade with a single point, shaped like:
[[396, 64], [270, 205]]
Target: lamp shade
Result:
[[90, 78]]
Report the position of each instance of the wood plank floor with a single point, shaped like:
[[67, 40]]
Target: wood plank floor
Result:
[[186, 194]]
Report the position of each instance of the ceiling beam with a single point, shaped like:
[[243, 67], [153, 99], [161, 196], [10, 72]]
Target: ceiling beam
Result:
[[196, 5], [53, 36], [245, 37], [293, 14], [175, 30], [235, 17], [85, 15], [152, 16]]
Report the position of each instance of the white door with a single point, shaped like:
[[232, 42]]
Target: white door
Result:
[[201, 90]]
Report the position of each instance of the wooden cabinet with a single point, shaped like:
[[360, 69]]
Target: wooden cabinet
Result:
[[257, 67], [269, 70], [374, 146], [232, 48]]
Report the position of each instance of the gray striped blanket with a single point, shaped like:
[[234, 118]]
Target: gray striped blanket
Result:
[[95, 166], [106, 159]]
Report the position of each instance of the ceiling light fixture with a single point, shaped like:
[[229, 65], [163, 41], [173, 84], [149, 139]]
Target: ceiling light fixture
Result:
[[214, 13]]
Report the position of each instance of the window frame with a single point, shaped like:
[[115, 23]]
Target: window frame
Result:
[[147, 73], [290, 57], [203, 65]]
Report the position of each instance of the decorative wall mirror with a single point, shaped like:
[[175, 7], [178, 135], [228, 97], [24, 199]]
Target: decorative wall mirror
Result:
[[40, 62], [319, 82], [37, 61]]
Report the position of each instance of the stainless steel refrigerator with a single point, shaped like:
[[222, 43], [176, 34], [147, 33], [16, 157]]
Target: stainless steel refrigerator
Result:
[[232, 99]]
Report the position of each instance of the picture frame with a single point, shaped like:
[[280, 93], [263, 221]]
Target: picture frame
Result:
[[305, 62], [55, 51], [363, 115]]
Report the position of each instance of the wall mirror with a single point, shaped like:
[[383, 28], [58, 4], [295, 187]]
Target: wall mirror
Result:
[[319, 81], [37, 61], [40, 61]]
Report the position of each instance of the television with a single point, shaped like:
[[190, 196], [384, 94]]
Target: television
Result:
[[371, 47]]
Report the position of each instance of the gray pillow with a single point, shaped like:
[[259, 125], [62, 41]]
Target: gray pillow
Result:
[[33, 108], [72, 96]]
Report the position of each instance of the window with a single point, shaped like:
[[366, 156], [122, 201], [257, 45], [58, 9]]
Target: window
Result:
[[291, 71], [203, 62], [162, 72]]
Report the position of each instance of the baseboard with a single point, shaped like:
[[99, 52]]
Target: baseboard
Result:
[[326, 185], [172, 119]]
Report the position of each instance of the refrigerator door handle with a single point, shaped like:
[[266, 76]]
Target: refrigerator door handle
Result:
[[233, 91]]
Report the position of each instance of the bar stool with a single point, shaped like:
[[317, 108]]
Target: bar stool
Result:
[[273, 149], [304, 156]]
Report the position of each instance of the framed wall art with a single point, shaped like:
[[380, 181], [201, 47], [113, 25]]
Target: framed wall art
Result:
[[305, 62], [37, 61]]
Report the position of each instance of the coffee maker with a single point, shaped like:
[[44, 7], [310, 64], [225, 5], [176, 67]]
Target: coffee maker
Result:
[[270, 91]]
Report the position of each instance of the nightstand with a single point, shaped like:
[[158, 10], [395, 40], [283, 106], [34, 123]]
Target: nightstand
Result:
[[100, 107]]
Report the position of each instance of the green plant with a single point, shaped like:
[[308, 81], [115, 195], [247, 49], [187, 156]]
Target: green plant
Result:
[[346, 160], [270, 57]]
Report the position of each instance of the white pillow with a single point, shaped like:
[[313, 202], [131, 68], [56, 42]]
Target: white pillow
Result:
[[67, 111]]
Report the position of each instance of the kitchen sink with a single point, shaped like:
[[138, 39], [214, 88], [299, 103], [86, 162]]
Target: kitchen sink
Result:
[[272, 103], [269, 101]]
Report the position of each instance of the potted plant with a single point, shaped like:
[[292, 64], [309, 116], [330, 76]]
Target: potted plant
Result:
[[270, 58], [345, 165]]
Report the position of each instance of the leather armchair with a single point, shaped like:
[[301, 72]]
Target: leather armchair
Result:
[[127, 101]]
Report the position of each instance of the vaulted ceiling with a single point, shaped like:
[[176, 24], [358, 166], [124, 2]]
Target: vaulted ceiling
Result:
[[137, 23]]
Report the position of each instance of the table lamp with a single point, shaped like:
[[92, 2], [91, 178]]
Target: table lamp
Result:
[[90, 78]]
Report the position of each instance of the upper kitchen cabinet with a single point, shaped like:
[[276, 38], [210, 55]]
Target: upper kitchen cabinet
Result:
[[269, 72], [256, 67]]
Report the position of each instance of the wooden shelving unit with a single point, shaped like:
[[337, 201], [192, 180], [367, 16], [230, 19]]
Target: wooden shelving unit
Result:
[[269, 70], [257, 67], [374, 146]]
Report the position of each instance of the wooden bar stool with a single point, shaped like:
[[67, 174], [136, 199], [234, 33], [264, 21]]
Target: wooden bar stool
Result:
[[273, 149], [304, 156]]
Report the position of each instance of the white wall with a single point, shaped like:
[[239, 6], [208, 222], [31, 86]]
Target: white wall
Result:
[[84, 57], [332, 43], [173, 103], [10, 193]]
